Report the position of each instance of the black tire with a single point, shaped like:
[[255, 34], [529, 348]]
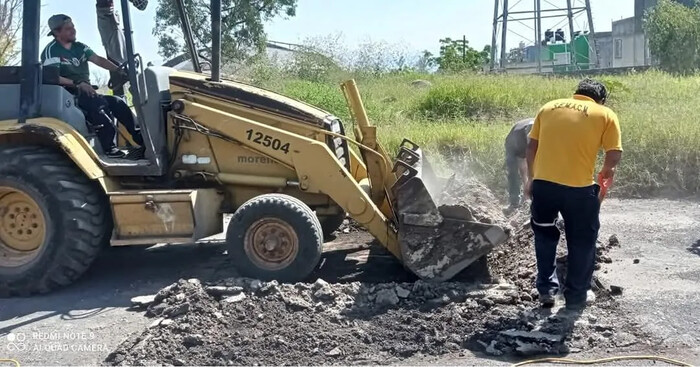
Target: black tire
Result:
[[76, 217], [331, 223], [286, 210]]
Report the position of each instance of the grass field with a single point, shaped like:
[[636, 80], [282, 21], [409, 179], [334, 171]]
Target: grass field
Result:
[[462, 120]]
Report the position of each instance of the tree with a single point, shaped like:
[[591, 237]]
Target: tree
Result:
[[242, 31], [674, 36], [425, 62], [457, 55], [10, 27]]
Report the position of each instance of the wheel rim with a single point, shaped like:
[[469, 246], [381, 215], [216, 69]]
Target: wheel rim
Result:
[[271, 243], [22, 227]]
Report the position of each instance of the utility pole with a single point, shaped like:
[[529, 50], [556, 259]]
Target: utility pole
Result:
[[572, 50], [504, 33], [592, 38], [538, 34], [494, 34], [464, 49]]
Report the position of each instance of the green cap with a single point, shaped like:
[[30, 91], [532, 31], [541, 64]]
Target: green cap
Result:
[[57, 21]]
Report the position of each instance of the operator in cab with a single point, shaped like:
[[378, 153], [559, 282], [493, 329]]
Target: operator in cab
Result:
[[71, 57], [564, 143]]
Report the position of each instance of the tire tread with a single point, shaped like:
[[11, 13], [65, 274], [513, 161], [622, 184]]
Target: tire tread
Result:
[[81, 226]]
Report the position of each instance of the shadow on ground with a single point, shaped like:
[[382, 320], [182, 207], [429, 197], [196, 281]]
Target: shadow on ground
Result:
[[695, 248], [116, 276], [516, 337]]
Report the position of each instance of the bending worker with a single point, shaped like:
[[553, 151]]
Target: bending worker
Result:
[[516, 164], [561, 157]]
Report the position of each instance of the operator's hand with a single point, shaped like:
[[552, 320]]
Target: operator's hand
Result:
[[123, 74], [607, 173], [87, 89], [605, 180]]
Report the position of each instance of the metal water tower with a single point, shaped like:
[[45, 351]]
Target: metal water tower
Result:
[[531, 16]]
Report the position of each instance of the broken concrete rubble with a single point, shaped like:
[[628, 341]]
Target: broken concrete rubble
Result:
[[528, 348], [386, 297], [491, 348], [177, 310], [335, 352], [320, 283], [143, 301], [236, 298], [367, 323], [223, 290], [537, 336], [616, 290], [192, 340], [402, 292], [325, 294]]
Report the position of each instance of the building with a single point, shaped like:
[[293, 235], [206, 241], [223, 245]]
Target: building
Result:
[[630, 45], [555, 55], [604, 43], [626, 45]]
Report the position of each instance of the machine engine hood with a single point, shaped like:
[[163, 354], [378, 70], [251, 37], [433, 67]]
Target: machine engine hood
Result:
[[248, 95]]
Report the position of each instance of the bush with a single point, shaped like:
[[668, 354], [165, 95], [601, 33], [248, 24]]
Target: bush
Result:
[[492, 96]]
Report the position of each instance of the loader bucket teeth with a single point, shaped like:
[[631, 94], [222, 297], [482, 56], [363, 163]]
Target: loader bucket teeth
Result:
[[436, 243]]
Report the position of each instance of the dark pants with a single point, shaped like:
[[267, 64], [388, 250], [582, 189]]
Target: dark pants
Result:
[[100, 109], [580, 209], [514, 179]]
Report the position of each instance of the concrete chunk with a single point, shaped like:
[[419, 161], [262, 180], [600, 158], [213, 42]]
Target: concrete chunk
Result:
[[533, 335]]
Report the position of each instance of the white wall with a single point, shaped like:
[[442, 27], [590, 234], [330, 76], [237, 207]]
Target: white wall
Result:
[[633, 52]]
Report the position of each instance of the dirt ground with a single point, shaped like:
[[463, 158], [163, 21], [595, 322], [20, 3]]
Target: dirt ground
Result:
[[656, 312]]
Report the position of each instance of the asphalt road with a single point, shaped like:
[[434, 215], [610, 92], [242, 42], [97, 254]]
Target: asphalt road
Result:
[[81, 324], [658, 265]]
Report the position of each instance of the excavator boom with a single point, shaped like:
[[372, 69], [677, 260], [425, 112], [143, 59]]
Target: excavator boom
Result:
[[434, 242]]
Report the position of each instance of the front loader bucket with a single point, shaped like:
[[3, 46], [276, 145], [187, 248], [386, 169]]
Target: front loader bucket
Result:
[[435, 243]]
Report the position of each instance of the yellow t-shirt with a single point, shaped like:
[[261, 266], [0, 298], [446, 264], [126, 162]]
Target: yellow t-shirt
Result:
[[570, 132]]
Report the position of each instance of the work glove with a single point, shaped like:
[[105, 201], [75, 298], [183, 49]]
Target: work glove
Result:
[[140, 4]]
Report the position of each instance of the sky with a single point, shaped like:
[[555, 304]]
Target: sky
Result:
[[412, 25]]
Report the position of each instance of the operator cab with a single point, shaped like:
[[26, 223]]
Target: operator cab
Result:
[[59, 103], [32, 91]]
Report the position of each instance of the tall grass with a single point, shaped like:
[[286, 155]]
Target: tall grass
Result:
[[462, 120]]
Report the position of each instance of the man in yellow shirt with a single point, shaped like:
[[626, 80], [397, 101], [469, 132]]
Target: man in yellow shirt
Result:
[[564, 144]]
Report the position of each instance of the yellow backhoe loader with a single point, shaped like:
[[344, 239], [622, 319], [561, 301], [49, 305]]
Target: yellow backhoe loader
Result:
[[284, 169]]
